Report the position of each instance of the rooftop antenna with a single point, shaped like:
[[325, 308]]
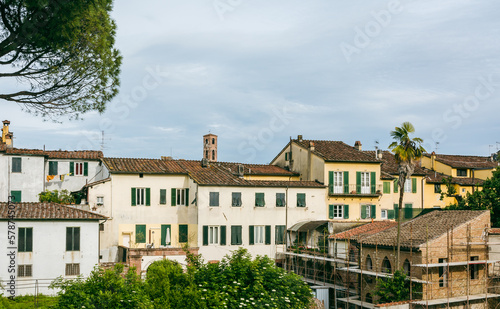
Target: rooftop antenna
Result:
[[437, 147], [376, 148], [490, 149]]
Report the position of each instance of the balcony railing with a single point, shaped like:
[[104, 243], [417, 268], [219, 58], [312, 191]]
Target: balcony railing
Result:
[[355, 190]]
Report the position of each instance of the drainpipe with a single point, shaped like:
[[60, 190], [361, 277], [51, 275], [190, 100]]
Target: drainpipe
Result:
[[422, 189]]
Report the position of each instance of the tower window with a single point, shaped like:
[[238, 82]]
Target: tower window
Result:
[[213, 155], [213, 140]]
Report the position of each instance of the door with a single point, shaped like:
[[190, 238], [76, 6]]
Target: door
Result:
[[126, 240]]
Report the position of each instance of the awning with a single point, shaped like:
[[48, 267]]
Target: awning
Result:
[[307, 225]]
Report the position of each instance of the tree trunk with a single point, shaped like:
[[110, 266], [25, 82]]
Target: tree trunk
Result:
[[400, 208]]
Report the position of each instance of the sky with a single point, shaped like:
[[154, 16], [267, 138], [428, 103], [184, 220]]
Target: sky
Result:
[[257, 72]]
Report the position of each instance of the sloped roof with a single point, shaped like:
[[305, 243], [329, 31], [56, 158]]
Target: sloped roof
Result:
[[98, 182], [146, 166], [389, 165], [435, 177], [456, 161], [336, 151], [365, 230], [47, 211], [430, 226], [256, 169], [54, 154]]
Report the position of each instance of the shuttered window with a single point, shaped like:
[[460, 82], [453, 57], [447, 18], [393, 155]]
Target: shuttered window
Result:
[[140, 233], [141, 196], [25, 239], [280, 231], [301, 200], [73, 239], [387, 187], [259, 200], [16, 196], [16, 165], [163, 196], [214, 199], [236, 238], [183, 233], [236, 199], [53, 170], [280, 200]]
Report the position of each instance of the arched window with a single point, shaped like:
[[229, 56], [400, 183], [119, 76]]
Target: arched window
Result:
[[213, 140], [386, 266], [369, 264], [206, 141], [406, 267], [206, 154], [213, 154]]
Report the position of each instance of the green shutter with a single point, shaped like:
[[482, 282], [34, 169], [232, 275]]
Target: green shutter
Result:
[[222, 235], [183, 233], [330, 211], [301, 200], [286, 156], [396, 212], [346, 211], [396, 186], [373, 180], [163, 239], [173, 197], [29, 239], [205, 235], [390, 214], [268, 235], [363, 211], [85, 168], [358, 182], [52, 167], [148, 196], [346, 182], [133, 197], [387, 187], [259, 200], [408, 211], [21, 243], [373, 212], [414, 185], [72, 168], [330, 182], [250, 235], [163, 196], [16, 196], [187, 197], [140, 233]]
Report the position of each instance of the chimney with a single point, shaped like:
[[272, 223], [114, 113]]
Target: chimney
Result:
[[299, 138], [7, 136], [357, 145], [311, 146], [379, 155], [166, 158], [433, 159], [210, 147]]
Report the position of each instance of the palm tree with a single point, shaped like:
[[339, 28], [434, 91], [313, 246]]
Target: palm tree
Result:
[[406, 151]]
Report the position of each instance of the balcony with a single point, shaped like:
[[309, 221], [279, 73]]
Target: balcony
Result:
[[355, 190]]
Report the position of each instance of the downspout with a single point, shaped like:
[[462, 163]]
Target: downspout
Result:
[[422, 189]]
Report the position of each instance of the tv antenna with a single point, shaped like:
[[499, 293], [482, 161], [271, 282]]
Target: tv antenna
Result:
[[437, 147]]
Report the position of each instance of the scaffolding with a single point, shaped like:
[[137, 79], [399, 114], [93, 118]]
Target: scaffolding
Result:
[[454, 270]]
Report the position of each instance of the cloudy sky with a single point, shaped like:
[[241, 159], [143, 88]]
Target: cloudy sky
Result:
[[257, 72]]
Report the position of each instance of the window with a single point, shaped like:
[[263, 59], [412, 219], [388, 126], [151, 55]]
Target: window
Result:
[[72, 239], [16, 165], [288, 155], [25, 270], [213, 155], [100, 200], [52, 167], [213, 235], [236, 238], [386, 266], [408, 211], [180, 197], [280, 235], [213, 141], [406, 267], [16, 196], [183, 233], [141, 197], [301, 200], [383, 213], [408, 186], [260, 234], [236, 199], [166, 235], [338, 182], [338, 212], [140, 234], [163, 196], [474, 268], [280, 200], [72, 269], [79, 168], [368, 211], [443, 274], [387, 187], [214, 199], [25, 241], [462, 172], [437, 188], [369, 264], [259, 200], [365, 183]]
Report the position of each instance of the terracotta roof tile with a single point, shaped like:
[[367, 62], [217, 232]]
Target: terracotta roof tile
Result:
[[48, 211], [365, 230], [457, 161], [256, 169], [390, 166], [494, 231], [54, 154], [336, 151], [417, 231], [435, 177], [146, 166]]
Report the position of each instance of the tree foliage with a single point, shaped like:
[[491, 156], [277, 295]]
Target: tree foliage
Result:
[[395, 288], [407, 151], [61, 53], [103, 289], [61, 197], [486, 199]]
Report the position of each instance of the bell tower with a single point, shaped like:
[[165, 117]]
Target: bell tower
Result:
[[210, 147]]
